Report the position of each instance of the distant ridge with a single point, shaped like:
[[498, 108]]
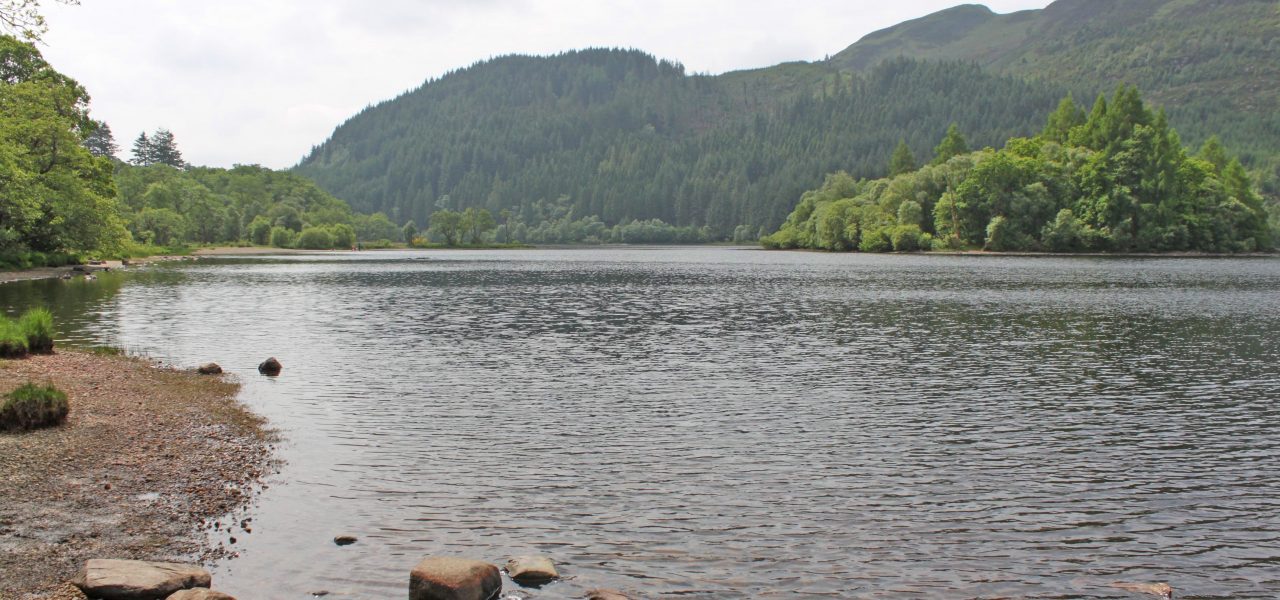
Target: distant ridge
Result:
[[1213, 64], [620, 135]]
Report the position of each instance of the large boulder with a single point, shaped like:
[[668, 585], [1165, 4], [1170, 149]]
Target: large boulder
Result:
[[200, 594], [209, 369], [138, 580], [271, 366], [452, 578], [532, 570]]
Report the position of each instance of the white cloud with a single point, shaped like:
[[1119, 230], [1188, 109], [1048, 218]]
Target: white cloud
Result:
[[242, 81]]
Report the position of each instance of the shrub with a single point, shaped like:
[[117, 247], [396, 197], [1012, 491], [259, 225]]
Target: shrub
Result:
[[875, 241], [315, 238], [32, 407], [906, 238], [13, 343], [282, 237], [37, 327]]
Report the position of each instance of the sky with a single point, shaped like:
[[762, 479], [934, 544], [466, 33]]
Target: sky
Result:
[[261, 82]]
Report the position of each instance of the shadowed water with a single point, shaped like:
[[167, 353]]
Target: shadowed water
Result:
[[729, 423]]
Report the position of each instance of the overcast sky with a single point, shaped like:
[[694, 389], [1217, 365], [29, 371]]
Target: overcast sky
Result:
[[262, 81]]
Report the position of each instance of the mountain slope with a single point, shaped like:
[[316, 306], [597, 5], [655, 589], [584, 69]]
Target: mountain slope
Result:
[[1213, 64], [620, 135], [623, 136]]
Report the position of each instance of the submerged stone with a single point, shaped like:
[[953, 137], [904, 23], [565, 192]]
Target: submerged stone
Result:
[[607, 595], [200, 594]]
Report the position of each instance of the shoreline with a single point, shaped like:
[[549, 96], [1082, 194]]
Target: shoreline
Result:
[[234, 251], [149, 460]]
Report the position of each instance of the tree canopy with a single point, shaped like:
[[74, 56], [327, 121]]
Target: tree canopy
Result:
[[1116, 180], [55, 195]]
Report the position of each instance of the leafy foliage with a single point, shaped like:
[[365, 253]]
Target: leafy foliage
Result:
[[201, 205], [55, 196], [1118, 180]]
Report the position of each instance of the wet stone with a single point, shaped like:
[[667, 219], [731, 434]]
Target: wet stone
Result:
[[452, 578], [532, 570]]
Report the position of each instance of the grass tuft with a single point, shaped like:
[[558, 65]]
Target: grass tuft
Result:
[[32, 407], [13, 342], [37, 326]]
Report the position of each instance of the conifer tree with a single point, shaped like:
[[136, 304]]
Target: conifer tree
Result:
[[142, 154], [101, 142], [164, 150], [953, 144], [903, 161]]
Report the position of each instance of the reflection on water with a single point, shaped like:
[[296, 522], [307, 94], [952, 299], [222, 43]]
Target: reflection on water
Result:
[[725, 423]]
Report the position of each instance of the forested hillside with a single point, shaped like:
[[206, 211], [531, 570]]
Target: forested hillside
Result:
[[616, 145], [1213, 64], [620, 135]]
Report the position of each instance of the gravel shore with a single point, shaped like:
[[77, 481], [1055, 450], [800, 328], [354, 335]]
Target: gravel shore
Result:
[[149, 463]]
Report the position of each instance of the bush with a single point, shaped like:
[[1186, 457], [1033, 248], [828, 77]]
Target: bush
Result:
[[37, 327], [282, 237], [32, 407], [13, 342], [875, 241], [315, 238], [906, 238]]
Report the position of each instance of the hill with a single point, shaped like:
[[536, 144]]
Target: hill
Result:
[[1213, 64], [623, 136]]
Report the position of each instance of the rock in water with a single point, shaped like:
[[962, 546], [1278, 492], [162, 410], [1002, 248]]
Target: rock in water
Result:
[[138, 580], [1162, 590], [606, 595], [209, 369], [200, 594], [451, 578], [345, 540], [533, 570], [271, 366]]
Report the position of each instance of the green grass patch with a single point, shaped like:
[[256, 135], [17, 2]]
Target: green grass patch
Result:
[[37, 326], [13, 342], [32, 407]]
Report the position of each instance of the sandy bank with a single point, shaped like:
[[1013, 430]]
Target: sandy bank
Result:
[[148, 459]]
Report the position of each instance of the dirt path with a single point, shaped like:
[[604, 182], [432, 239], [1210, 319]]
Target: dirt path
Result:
[[148, 461]]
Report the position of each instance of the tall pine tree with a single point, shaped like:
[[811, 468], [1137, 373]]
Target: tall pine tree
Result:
[[903, 161]]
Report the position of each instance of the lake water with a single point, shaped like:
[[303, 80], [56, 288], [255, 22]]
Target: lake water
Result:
[[733, 423]]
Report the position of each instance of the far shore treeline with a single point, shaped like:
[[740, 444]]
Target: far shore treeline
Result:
[[1114, 179]]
